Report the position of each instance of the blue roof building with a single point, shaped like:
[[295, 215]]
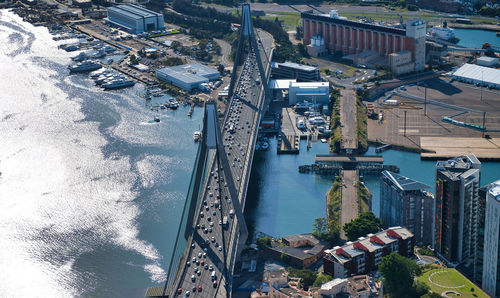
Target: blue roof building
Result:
[[135, 19]]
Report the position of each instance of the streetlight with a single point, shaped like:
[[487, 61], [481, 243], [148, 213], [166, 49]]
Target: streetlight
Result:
[[482, 82]]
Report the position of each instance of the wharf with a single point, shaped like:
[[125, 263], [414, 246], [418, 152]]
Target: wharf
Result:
[[289, 137], [335, 169], [288, 144], [449, 147]]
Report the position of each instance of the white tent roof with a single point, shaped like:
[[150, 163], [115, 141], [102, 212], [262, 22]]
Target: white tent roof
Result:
[[479, 73]]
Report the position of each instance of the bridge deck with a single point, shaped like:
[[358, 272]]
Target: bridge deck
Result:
[[239, 133]]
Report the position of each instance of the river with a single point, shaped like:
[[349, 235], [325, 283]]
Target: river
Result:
[[91, 189]]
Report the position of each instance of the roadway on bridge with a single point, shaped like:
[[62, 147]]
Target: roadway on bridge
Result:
[[212, 245]]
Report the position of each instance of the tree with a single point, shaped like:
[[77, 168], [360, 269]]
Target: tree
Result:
[[308, 277], [263, 242], [321, 279], [398, 273], [325, 230], [220, 68], [133, 60], [364, 224]]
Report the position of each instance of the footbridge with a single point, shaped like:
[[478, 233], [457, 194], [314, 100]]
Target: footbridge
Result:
[[212, 231]]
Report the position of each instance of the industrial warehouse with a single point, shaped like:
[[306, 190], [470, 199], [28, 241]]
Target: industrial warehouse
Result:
[[188, 76], [328, 33], [135, 19], [478, 75]]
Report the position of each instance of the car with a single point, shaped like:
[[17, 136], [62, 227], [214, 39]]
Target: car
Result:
[[220, 248], [193, 246], [201, 214], [179, 291], [220, 222], [202, 262], [210, 230], [213, 239], [214, 213], [193, 278], [210, 268], [199, 288], [199, 255], [206, 267], [209, 218], [207, 241], [198, 226], [216, 244], [215, 283], [204, 255], [188, 263], [194, 260], [198, 272], [188, 293]]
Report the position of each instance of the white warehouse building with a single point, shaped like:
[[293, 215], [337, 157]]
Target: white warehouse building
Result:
[[188, 76], [135, 19], [475, 74], [315, 92]]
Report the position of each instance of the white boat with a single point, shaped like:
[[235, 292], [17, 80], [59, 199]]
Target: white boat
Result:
[[197, 136], [85, 66], [264, 145], [444, 33], [118, 84]]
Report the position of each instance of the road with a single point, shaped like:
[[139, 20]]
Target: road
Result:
[[213, 246], [348, 119], [349, 197], [225, 53]]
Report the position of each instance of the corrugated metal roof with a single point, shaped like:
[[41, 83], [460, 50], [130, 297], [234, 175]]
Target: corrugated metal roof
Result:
[[479, 73], [297, 66], [185, 77]]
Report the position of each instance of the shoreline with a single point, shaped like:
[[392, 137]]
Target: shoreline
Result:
[[485, 27]]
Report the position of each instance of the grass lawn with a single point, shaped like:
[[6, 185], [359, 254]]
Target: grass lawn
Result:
[[287, 18], [447, 280]]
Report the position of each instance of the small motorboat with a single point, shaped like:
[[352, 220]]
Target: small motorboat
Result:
[[157, 119], [197, 136]]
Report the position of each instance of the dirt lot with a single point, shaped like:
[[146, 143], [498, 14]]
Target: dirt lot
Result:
[[418, 124]]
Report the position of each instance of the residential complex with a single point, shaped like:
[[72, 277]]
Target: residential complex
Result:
[[491, 259], [135, 19], [404, 202], [457, 199], [299, 72], [350, 37], [365, 254], [302, 250]]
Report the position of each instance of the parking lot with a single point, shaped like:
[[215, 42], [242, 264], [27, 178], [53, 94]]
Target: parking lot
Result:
[[421, 122]]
